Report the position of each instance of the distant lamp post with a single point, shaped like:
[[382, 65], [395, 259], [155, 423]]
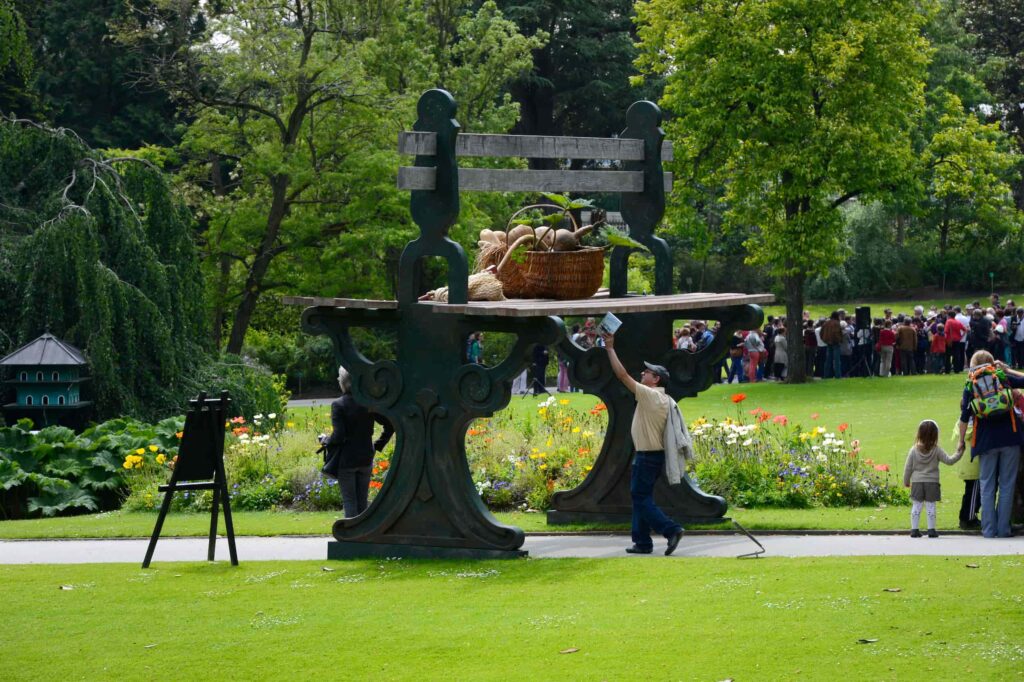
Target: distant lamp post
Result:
[[47, 376]]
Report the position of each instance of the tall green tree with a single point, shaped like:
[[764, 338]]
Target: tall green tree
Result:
[[795, 107], [16, 63], [88, 81], [100, 252], [580, 83], [998, 28], [297, 105]]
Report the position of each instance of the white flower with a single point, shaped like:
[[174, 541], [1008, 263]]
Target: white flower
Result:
[[272, 415], [815, 448], [748, 442], [822, 457]]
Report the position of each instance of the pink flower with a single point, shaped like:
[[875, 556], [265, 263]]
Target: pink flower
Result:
[[814, 415], [780, 419], [881, 467]]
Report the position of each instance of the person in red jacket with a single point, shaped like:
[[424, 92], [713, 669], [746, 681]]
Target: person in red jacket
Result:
[[886, 344], [955, 333]]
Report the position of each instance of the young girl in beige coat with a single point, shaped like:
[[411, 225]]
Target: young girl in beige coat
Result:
[[921, 475]]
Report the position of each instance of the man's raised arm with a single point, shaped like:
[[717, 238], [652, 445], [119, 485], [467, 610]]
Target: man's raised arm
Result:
[[617, 369]]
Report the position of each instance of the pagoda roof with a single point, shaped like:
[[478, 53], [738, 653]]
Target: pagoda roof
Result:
[[46, 350]]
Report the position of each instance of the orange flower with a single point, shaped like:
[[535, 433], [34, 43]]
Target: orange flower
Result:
[[474, 432], [814, 415], [764, 416], [568, 463], [583, 451], [843, 427], [881, 467], [179, 435], [240, 430], [238, 420], [869, 462], [384, 464], [780, 419], [597, 409], [738, 398], [376, 485]]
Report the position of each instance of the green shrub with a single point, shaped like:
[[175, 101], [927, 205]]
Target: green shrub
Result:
[[254, 389]]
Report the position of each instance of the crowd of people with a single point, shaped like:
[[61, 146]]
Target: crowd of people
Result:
[[933, 341]]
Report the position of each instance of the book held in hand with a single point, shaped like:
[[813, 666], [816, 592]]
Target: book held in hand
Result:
[[609, 324]]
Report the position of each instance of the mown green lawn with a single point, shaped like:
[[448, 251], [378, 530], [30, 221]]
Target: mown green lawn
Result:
[[614, 619], [882, 413], [899, 306]]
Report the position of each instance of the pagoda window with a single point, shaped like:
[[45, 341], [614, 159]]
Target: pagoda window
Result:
[[24, 376], [60, 400], [56, 376], [46, 400], [39, 376], [28, 400]]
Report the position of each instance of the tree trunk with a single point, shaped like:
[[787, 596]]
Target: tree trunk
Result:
[[794, 288], [224, 262], [258, 270]]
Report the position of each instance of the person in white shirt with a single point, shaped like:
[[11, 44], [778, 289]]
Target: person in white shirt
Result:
[[648, 432]]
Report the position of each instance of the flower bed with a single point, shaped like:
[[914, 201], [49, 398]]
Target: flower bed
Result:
[[760, 459]]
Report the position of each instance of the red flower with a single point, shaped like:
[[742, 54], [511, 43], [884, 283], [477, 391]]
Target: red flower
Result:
[[383, 465], [764, 416], [376, 485], [843, 427], [738, 398]]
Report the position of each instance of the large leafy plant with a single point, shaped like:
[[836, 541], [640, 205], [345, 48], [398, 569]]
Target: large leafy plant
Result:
[[55, 471]]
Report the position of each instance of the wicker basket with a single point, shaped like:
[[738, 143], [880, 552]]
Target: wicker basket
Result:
[[561, 275]]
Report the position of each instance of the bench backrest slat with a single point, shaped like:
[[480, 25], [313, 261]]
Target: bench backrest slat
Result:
[[503, 180], [531, 146]]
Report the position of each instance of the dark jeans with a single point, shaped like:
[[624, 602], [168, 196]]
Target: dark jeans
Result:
[[906, 362], [647, 468], [735, 370], [833, 362], [970, 503], [958, 356], [355, 489]]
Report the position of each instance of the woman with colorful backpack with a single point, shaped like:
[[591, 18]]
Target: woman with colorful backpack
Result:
[[987, 403]]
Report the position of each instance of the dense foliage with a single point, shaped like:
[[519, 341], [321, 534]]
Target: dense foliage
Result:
[[100, 252]]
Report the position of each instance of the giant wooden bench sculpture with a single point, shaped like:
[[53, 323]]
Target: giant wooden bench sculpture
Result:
[[428, 505]]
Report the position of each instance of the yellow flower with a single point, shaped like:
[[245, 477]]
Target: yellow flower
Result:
[[153, 448], [575, 429], [140, 451], [550, 441], [534, 456], [290, 425], [127, 464], [543, 466], [534, 450], [161, 458], [563, 401], [587, 469], [542, 411], [588, 434]]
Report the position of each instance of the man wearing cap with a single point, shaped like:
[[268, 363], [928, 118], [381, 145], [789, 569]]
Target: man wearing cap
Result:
[[648, 430]]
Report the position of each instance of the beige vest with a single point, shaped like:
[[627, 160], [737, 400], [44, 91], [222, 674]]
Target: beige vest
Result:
[[649, 418]]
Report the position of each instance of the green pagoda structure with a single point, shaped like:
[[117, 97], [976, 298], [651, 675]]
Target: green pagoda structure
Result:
[[47, 375]]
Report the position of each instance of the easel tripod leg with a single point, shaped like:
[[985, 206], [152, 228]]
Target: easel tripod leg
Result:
[[164, 508], [214, 509]]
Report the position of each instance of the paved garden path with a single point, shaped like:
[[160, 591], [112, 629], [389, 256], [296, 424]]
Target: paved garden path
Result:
[[539, 546]]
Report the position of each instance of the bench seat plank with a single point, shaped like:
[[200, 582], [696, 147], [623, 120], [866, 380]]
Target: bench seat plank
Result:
[[505, 180], [531, 146]]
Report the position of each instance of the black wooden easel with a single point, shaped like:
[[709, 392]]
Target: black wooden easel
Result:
[[200, 466]]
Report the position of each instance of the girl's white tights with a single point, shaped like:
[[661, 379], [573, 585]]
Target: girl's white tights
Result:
[[915, 513]]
